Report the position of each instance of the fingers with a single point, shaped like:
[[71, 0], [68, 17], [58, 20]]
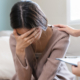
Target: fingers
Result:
[[34, 35], [60, 25], [30, 41], [79, 64], [74, 69], [62, 29], [37, 35], [28, 33]]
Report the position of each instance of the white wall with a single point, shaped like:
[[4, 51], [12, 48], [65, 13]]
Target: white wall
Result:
[[5, 8], [55, 10]]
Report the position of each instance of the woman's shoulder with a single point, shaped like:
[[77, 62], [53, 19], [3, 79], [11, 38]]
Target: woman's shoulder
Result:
[[59, 34], [59, 39], [56, 32]]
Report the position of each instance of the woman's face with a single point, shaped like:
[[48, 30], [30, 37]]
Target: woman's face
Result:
[[21, 31]]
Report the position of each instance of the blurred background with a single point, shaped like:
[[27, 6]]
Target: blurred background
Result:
[[65, 12], [57, 11]]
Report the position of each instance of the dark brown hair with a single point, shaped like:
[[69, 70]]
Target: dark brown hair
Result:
[[27, 14]]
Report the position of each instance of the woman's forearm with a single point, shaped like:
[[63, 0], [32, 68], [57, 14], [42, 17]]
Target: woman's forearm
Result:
[[21, 56]]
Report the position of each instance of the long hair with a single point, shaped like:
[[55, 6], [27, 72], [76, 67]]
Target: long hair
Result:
[[27, 14]]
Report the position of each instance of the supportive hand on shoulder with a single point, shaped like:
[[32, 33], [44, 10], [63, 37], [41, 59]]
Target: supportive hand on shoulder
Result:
[[67, 29]]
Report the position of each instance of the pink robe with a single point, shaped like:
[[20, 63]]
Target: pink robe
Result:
[[47, 68]]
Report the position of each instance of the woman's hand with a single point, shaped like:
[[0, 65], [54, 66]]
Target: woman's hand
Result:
[[25, 39], [76, 70], [67, 29]]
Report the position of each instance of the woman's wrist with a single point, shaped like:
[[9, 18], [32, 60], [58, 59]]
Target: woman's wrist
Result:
[[20, 51], [76, 33], [21, 56]]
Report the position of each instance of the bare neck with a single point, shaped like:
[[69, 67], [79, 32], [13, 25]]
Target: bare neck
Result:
[[40, 45]]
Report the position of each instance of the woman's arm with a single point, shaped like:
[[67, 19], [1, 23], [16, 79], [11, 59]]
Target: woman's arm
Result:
[[18, 44], [58, 51], [77, 33], [22, 72], [69, 30]]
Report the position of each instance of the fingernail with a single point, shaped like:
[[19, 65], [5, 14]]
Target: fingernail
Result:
[[35, 36]]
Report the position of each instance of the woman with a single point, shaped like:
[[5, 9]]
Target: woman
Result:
[[75, 33], [35, 45]]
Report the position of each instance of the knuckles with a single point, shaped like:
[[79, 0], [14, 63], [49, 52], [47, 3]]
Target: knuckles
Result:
[[21, 37], [25, 40]]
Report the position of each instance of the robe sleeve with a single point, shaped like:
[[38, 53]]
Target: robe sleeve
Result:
[[22, 73]]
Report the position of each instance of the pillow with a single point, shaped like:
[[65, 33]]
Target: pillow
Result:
[[7, 68], [5, 33]]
